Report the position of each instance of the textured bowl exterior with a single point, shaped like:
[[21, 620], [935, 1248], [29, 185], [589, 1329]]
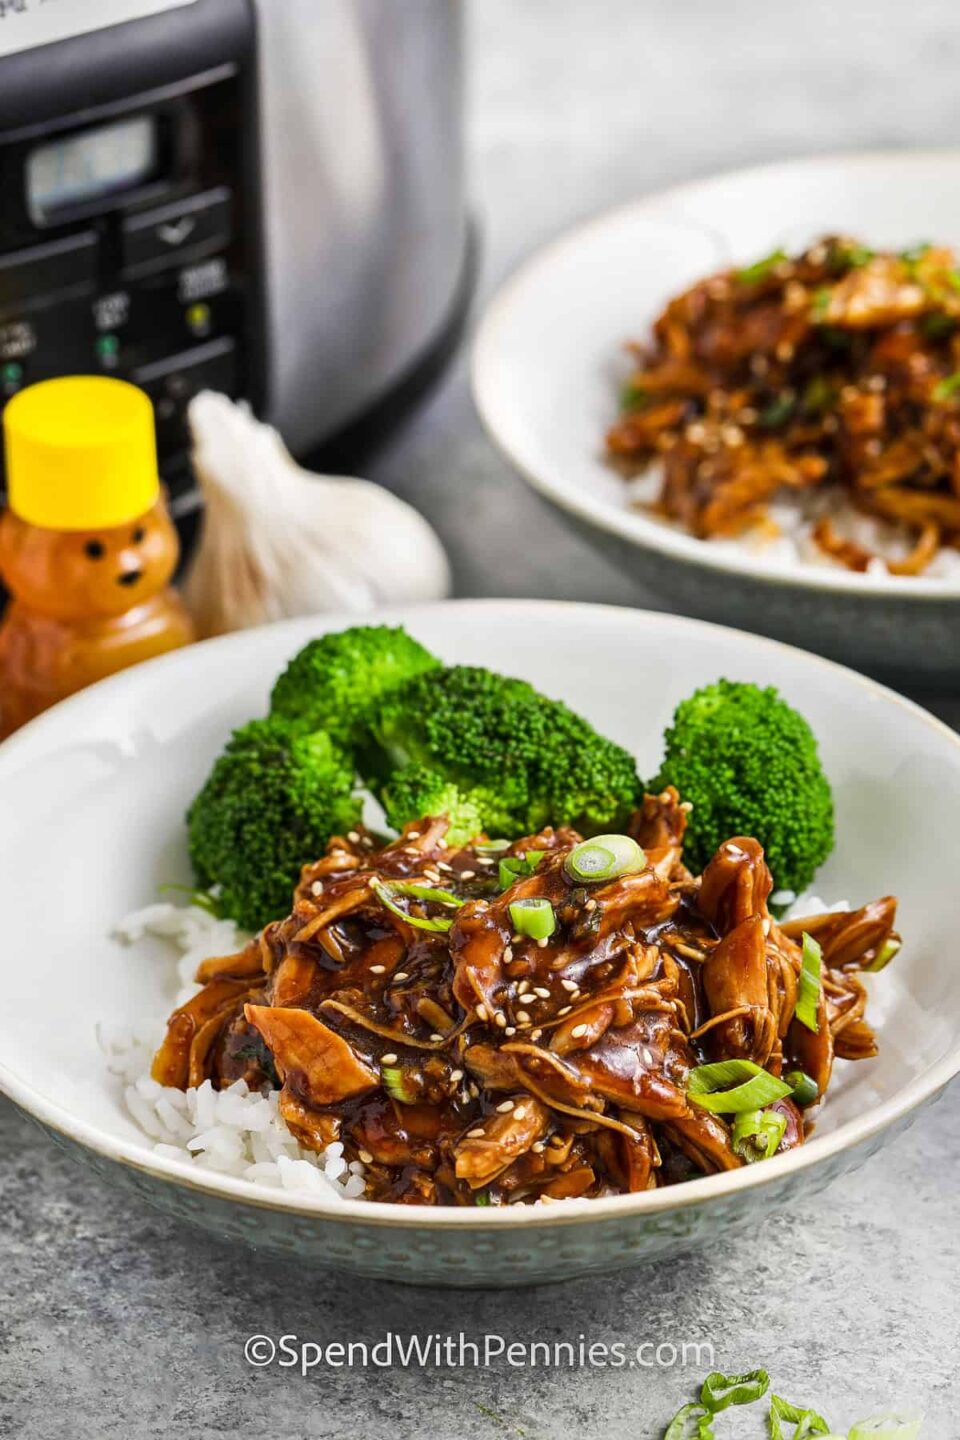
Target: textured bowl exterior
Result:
[[479, 1258], [905, 643]]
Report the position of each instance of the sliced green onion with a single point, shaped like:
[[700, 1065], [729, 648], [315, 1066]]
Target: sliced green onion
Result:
[[760, 269], [888, 1427], [492, 847], [516, 867], [533, 917], [748, 1087], [777, 413], [947, 388], [937, 326], [804, 1089], [884, 955], [806, 1422], [481, 1197], [757, 1134], [821, 302], [691, 1422], [719, 1391], [915, 252], [386, 890], [605, 857], [808, 997], [395, 1084], [632, 396]]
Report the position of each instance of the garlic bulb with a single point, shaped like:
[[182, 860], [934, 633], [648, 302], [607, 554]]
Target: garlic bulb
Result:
[[278, 541]]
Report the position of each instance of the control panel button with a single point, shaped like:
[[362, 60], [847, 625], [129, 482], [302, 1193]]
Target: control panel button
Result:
[[173, 381], [161, 236], [29, 275]]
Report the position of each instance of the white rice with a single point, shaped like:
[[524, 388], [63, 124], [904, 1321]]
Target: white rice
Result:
[[788, 543], [237, 1131]]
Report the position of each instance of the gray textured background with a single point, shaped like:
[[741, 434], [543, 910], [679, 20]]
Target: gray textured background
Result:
[[115, 1323]]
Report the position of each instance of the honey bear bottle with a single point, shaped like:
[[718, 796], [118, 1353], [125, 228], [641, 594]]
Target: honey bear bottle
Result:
[[87, 548]]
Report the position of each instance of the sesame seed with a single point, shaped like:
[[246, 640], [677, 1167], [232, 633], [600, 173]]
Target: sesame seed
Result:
[[565, 1010], [535, 1034], [441, 843], [515, 939], [365, 1156], [485, 860], [377, 969], [523, 987], [456, 1076], [590, 905], [353, 835], [436, 1037], [569, 985], [538, 1147], [505, 1107], [401, 975], [476, 1132], [686, 806], [388, 1059], [510, 1030], [468, 874], [413, 834], [578, 1030], [542, 992], [542, 944], [474, 1091], [523, 1016], [507, 955], [367, 843], [481, 1012], [316, 888], [444, 866], [520, 1112], [500, 1019]]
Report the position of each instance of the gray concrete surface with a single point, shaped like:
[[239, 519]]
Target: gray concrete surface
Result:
[[116, 1323]]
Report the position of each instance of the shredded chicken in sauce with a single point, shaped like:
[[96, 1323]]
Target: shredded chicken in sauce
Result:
[[837, 369], [472, 1064]]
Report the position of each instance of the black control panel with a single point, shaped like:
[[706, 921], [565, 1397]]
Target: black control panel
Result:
[[126, 238]]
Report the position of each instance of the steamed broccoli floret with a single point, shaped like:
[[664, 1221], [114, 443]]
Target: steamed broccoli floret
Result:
[[506, 754], [748, 763], [335, 682], [416, 790], [271, 803]]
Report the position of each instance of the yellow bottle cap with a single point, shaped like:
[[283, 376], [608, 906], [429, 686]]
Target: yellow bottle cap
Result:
[[81, 453]]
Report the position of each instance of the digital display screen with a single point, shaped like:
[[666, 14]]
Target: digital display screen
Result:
[[97, 164]]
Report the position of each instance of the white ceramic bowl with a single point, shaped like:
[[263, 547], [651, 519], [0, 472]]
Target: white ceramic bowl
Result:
[[92, 797], [548, 363]]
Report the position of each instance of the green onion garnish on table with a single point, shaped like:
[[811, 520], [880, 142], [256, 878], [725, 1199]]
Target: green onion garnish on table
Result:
[[732, 1087], [887, 1427], [605, 857], [808, 998], [719, 1391], [691, 1422], [533, 917], [757, 1134]]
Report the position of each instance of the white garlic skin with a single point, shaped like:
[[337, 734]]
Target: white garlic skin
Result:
[[278, 541]]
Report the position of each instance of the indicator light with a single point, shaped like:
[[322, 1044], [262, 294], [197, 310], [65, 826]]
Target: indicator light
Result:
[[198, 318], [107, 347]]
